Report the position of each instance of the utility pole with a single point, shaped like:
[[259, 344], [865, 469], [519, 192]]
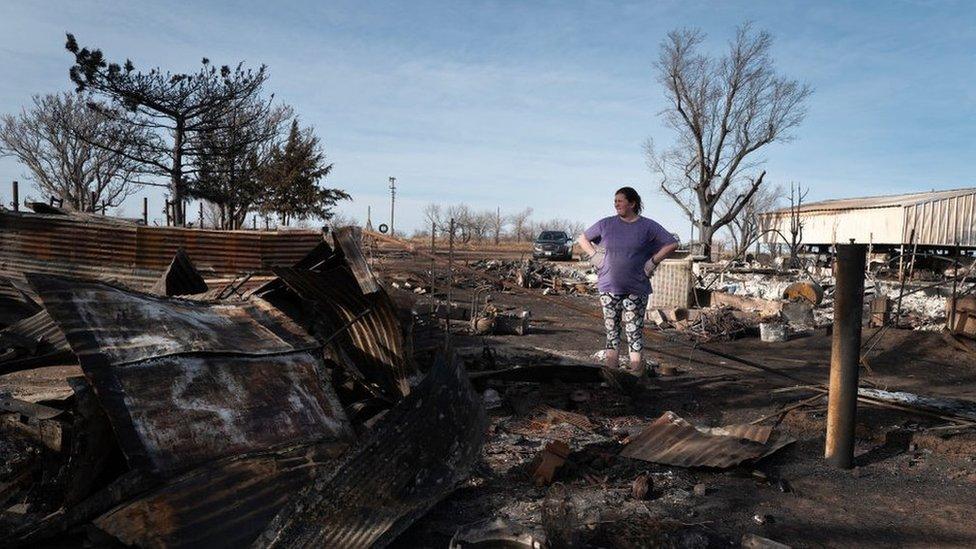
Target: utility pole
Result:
[[392, 202]]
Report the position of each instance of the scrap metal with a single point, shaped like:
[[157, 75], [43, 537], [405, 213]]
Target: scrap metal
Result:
[[223, 504], [180, 278], [185, 382], [673, 441], [414, 457], [107, 248], [372, 344]]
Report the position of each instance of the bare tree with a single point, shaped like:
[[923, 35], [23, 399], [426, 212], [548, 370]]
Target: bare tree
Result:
[[498, 225], [520, 224], [744, 228], [342, 219], [461, 214], [53, 140], [797, 194], [723, 111], [172, 107], [433, 217]]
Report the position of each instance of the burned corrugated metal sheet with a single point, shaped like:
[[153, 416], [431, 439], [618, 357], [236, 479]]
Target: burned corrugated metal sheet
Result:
[[48, 345], [223, 504], [373, 344], [103, 248], [673, 441], [185, 382], [347, 239], [414, 457], [180, 278]]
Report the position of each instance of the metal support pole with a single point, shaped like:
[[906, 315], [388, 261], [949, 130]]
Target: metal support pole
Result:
[[392, 202], [845, 354], [167, 213], [433, 233], [901, 278], [145, 211], [450, 284], [94, 202], [955, 278], [16, 191], [201, 214]]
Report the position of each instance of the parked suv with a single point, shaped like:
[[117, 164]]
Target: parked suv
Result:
[[553, 245]]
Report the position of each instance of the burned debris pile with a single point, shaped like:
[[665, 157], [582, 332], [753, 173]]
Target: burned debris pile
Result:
[[550, 277], [288, 414]]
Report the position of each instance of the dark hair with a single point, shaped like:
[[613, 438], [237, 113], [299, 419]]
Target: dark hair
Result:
[[631, 195]]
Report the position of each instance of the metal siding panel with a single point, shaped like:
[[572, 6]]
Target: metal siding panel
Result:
[[94, 247]]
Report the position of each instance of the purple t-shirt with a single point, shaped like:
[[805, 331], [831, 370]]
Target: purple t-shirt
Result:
[[629, 245]]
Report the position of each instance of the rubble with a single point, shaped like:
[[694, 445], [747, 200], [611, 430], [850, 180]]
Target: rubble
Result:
[[223, 404], [414, 457], [553, 278], [302, 408]]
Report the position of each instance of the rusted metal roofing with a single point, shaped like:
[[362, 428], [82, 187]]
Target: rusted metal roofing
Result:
[[373, 344], [414, 457], [673, 441], [347, 239], [180, 278], [107, 249], [223, 504], [186, 382], [47, 344]]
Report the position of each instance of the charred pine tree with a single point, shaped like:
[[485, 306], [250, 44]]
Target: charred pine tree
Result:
[[173, 107]]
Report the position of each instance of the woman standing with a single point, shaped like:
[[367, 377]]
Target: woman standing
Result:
[[630, 248]]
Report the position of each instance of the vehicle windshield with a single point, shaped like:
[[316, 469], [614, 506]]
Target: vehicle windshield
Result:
[[552, 235]]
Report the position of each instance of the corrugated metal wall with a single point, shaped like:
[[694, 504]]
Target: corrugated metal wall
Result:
[[943, 222], [135, 254], [878, 225]]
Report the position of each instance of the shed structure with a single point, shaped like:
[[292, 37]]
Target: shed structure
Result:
[[939, 218]]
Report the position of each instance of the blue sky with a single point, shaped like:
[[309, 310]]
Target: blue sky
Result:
[[515, 104]]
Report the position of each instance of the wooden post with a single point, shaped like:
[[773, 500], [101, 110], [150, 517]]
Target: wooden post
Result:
[[845, 354], [16, 192], [167, 212], [145, 210], [94, 202], [201, 214]]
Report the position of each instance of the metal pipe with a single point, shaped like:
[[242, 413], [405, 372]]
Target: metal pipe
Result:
[[845, 354], [901, 277], [16, 191], [433, 233], [450, 284]]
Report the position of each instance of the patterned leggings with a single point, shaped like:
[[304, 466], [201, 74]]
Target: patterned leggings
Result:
[[629, 308]]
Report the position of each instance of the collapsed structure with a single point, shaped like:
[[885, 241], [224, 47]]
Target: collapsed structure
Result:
[[186, 415]]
